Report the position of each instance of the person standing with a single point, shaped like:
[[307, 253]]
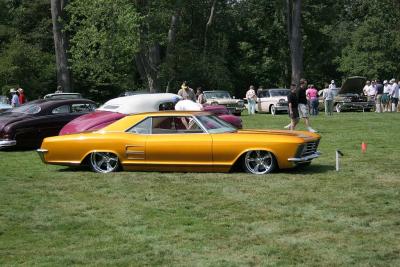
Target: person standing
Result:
[[366, 88], [332, 85], [385, 96], [293, 107], [302, 106], [14, 98], [328, 97], [21, 97], [312, 95], [394, 96], [372, 91], [200, 96], [378, 96], [251, 100], [186, 92]]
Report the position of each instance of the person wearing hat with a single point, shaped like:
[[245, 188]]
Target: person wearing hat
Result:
[[21, 97], [332, 85], [14, 98], [385, 96], [186, 92]]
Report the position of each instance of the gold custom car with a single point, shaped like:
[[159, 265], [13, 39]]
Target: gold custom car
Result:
[[180, 141]]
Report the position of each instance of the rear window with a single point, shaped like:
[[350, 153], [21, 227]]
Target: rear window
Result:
[[27, 109]]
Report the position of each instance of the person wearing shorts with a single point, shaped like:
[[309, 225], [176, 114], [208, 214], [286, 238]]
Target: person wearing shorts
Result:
[[302, 107], [293, 107]]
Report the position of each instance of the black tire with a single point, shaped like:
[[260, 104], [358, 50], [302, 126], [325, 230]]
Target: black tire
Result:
[[259, 162], [104, 162]]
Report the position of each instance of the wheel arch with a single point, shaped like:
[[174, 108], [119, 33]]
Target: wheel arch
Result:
[[237, 161]]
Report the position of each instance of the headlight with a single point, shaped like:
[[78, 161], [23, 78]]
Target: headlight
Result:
[[240, 103], [347, 100]]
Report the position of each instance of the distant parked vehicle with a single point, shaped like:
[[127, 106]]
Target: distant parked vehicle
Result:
[[4, 103], [235, 106], [26, 126], [349, 97], [120, 107], [272, 100], [63, 96]]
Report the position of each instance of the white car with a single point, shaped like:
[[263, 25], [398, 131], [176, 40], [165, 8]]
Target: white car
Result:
[[272, 100]]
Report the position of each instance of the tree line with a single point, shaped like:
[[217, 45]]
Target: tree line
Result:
[[103, 47]]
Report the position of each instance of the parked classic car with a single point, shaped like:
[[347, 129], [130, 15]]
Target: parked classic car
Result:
[[27, 125], [4, 103], [120, 107], [272, 100], [180, 141], [235, 106], [62, 96], [349, 96]]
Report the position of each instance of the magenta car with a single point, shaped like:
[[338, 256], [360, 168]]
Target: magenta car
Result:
[[120, 107]]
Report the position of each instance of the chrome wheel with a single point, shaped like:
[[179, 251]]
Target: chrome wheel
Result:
[[338, 108], [104, 162], [272, 109], [259, 162]]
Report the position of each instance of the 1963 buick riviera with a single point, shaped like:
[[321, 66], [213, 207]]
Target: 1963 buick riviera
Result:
[[180, 141]]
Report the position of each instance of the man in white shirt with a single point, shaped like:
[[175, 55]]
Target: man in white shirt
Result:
[[14, 98], [372, 91], [366, 88], [394, 94]]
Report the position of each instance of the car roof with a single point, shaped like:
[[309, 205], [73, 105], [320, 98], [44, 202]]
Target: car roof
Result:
[[138, 103], [215, 91]]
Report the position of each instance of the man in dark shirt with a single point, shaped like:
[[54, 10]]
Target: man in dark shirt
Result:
[[378, 95], [293, 106], [303, 107]]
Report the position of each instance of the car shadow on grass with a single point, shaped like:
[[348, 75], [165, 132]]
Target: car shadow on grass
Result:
[[311, 169]]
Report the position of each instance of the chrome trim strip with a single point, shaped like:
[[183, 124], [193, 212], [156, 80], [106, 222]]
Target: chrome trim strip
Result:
[[7, 143], [306, 158]]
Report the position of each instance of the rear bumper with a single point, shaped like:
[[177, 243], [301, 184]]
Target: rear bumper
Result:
[[7, 143], [305, 158]]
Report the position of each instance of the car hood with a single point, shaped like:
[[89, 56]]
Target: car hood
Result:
[[300, 134], [91, 121], [353, 85]]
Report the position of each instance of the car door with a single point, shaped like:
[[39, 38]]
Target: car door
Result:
[[178, 143]]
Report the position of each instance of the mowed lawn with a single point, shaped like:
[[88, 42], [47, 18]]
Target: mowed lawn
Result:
[[58, 216]]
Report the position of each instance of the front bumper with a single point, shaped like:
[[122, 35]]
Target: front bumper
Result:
[[7, 143], [41, 153], [356, 105], [304, 159]]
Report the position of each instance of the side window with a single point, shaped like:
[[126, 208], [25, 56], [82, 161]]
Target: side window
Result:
[[61, 109], [175, 125], [143, 127], [167, 106], [82, 107]]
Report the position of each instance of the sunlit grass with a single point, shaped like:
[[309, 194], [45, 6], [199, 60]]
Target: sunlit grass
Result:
[[52, 216]]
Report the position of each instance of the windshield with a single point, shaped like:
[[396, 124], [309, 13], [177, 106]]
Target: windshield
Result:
[[279, 92], [217, 94], [27, 109], [215, 125]]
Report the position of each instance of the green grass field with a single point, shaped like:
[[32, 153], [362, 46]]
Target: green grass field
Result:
[[56, 216]]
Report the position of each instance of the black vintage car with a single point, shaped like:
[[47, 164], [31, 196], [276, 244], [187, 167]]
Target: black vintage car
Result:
[[350, 96], [27, 125]]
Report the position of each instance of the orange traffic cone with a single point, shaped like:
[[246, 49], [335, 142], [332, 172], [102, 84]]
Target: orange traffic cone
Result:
[[363, 147]]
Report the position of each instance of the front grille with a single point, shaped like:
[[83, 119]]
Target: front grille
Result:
[[310, 148]]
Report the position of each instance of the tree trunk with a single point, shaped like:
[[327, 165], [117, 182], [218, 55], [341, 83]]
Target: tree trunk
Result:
[[60, 45], [208, 25], [148, 62], [171, 47], [295, 38]]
